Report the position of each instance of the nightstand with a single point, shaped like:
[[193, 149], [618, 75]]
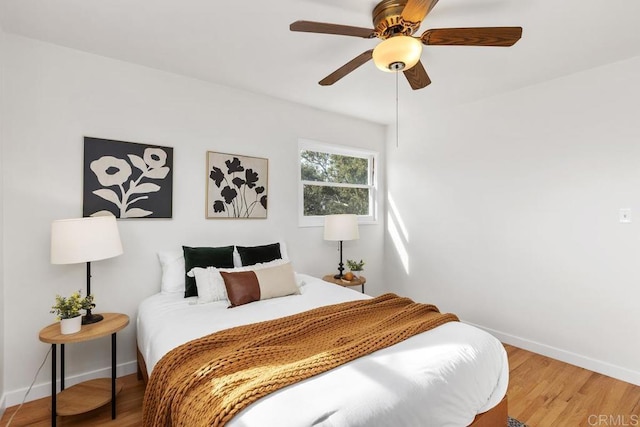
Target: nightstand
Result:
[[90, 394], [357, 281]]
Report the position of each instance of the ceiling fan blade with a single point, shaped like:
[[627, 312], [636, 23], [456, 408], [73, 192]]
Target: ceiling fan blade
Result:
[[481, 36], [416, 10], [346, 68], [324, 28], [417, 76]]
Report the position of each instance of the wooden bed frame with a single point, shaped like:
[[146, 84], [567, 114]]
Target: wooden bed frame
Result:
[[494, 417]]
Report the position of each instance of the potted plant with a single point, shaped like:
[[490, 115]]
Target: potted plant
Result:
[[67, 310], [355, 266]]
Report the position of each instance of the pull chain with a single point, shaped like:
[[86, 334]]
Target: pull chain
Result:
[[397, 113]]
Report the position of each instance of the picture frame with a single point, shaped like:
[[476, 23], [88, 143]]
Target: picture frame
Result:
[[127, 179], [237, 186]]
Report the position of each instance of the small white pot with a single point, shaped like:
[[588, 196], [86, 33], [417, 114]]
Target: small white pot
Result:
[[71, 326]]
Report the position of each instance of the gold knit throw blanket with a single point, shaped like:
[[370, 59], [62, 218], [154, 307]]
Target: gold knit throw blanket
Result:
[[207, 381]]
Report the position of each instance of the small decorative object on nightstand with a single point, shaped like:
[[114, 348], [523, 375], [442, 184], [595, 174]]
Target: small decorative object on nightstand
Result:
[[71, 325], [355, 266], [91, 394], [67, 309], [357, 281]]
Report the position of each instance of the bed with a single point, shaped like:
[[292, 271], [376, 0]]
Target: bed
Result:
[[452, 375]]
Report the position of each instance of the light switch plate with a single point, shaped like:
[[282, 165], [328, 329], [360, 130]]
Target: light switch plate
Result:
[[625, 215]]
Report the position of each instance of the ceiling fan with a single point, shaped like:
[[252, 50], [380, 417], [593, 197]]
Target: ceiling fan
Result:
[[395, 22]]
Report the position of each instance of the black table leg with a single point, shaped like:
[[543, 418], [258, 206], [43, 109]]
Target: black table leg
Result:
[[61, 367], [113, 376], [53, 385]]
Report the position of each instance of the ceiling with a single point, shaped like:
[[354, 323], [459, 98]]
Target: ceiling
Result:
[[248, 45]]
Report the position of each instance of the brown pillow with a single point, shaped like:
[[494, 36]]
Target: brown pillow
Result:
[[244, 287]]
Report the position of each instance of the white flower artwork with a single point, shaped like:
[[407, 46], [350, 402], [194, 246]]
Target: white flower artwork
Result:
[[126, 179]]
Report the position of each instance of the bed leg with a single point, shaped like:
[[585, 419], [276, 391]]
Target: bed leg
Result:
[[142, 368]]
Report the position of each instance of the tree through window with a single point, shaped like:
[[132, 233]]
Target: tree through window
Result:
[[335, 180]]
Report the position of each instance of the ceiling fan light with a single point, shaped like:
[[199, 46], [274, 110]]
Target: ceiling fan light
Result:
[[397, 53]]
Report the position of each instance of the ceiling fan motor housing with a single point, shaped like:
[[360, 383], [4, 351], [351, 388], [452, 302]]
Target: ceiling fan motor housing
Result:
[[388, 21]]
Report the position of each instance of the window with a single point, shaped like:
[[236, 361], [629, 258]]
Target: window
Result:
[[335, 180]]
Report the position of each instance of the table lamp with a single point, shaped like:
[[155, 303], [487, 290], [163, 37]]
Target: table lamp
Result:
[[78, 240], [339, 228]]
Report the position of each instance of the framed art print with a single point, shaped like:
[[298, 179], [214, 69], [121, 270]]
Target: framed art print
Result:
[[236, 186], [126, 179]]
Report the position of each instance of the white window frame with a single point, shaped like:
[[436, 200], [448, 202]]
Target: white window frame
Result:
[[371, 156]]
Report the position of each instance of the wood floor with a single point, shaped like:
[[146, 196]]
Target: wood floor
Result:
[[545, 392], [542, 393]]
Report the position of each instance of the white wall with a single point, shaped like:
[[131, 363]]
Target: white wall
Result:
[[511, 211], [54, 97], [2, 323]]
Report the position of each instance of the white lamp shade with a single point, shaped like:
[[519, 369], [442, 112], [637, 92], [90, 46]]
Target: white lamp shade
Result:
[[84, 239], [341, 227], [402, 49]]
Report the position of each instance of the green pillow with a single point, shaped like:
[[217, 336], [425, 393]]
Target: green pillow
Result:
[[251, 255], [221, 257]]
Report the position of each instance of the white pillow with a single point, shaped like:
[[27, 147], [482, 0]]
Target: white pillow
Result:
[[299, 280], [277, 281], [257, 266], [209, 283], [172, 263]]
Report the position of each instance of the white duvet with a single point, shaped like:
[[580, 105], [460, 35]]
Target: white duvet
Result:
[[442, 377]]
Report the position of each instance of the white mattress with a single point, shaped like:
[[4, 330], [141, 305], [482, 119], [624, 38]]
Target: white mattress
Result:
[[442, 377]]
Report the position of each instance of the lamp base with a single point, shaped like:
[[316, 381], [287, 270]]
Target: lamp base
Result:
[[91, 318]]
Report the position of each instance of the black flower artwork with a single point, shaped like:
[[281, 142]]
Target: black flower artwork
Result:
[[252, 178], [238, 182], [218, 206], [229, 194], [217, 176], [234, 165], [236, 186]]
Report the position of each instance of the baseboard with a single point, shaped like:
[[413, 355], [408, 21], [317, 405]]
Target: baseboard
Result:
[[41, 390], [585, 362]]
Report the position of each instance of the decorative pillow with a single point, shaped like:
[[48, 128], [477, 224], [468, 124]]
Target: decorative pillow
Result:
[[172, 263], [209, 284], [299, 280], [244, 287], [283, 254], [258, 266], [204, 257], [250, 255]]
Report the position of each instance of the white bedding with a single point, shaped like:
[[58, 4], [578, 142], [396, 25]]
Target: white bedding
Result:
[[442, 377]]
